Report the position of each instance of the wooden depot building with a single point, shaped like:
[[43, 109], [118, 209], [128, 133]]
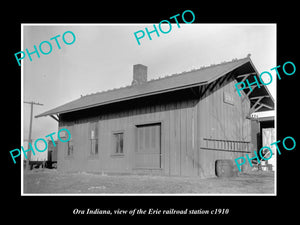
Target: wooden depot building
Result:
[[176, 125]]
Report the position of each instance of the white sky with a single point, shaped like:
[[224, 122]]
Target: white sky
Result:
[[102, 57]]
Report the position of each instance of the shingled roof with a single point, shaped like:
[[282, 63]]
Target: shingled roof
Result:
[[196, 77]]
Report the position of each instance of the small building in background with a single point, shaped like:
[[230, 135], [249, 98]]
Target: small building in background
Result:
[[47, 159], [264, 134]]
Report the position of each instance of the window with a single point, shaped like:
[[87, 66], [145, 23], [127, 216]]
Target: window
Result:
[[119, 143], [70, 143], [70, 148], [93, 138]]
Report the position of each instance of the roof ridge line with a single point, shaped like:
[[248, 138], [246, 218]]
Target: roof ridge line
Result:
[[169, 76], [200, 68]]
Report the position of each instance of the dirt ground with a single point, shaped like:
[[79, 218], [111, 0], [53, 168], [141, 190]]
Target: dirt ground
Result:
[[52, 181]]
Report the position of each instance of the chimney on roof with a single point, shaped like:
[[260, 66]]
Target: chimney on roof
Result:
[[139, 74]]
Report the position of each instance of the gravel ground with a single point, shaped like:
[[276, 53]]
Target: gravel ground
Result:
[[52, 181]]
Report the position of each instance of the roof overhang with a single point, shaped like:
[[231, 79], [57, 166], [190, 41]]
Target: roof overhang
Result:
[[260, 98]]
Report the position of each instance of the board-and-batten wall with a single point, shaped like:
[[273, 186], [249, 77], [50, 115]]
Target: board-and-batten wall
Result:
[[225, 133], [178, 143], [190, 132]]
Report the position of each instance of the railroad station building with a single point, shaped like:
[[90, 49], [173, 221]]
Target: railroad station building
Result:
[[176, 125]]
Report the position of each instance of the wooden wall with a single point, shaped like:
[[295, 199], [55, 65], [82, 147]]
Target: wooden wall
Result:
[[194, 132], [225, 132]]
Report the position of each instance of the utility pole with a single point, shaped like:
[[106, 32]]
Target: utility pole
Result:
[[30, 129]]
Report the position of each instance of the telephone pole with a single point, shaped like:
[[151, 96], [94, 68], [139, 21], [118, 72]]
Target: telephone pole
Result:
[[30, 129]]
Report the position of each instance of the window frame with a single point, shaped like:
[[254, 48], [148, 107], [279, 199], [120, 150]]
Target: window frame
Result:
[[70, 148], [115, 143], [69, 151], [93, 150]]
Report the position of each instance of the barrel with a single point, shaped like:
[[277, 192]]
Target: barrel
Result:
[[225, 168]]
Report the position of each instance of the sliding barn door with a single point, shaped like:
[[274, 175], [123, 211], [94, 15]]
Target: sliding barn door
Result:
[[148, 146]]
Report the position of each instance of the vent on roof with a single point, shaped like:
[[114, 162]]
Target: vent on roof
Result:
[[139, 74]]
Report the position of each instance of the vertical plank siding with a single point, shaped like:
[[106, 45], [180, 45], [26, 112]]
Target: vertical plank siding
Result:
[[225, 131], [194, 133]]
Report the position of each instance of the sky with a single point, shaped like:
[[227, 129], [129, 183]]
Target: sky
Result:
[[103, 55]]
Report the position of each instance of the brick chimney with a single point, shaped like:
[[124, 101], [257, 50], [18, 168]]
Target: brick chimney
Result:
[[139, 74]]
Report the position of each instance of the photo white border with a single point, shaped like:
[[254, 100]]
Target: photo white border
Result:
[[121, 194]]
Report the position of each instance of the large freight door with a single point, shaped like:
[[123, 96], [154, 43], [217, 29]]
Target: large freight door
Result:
[[148, 146]]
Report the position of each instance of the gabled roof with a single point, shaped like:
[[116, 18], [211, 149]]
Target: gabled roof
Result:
[[198, 77]]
